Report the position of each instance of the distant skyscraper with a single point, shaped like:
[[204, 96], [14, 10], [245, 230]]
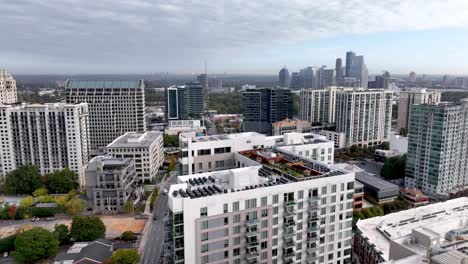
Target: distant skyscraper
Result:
[[203, 80], [339, 72], [382, 81], [115, 107], [412, 77], [284, 78], [264, 106], [7, 88], [408, 98], [349, 61], [296, 81], [184, 101], [325, 77], [437, 158], [356, 68], [307, 77]]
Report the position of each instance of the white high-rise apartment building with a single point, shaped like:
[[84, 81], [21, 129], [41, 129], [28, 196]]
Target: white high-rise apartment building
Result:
[[49, 136], [364, 116], [437, 158], [413, 96], [146, 149], [318, 105], [7, 88], [276, 207], [115, 107], [214, 153]]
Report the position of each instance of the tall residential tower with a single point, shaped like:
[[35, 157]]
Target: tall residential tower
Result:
[[437, 158], [49, 136], [115, 107]]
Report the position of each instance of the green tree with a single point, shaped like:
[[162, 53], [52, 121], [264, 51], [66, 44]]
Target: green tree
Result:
[[7, 244], [23, 180], [40, 192], [35, 244], [63, 234], [226, 103], [62, 181], [170, 140], [128, 236], [125, 256], [394, 168], [87, 228], [128, 207], [46, 199], [172, 163], [27, 202], [75, 206]]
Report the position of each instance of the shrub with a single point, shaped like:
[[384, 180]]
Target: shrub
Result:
[[43, 211], [7, 244]]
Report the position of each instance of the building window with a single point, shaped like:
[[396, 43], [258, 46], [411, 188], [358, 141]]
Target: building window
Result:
[[235, 206], [225, 208], [204, 225], [275, 199], [204, 248], [251, 203], [264, 201], [203, 212]]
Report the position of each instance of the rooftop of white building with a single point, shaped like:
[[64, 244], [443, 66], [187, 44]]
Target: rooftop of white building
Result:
[[135, 140], [260, 172], [434, 220]]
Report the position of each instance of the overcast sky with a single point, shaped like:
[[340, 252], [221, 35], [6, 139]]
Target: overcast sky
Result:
[[233, 36]]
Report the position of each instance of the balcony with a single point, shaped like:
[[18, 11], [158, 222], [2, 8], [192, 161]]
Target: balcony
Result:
[[311, 260], [289, 223], [313, 238], [313, 199], [313, 218], [290, 203], [313, 207], [289, 211], [312, 229], [251, 223], [288, 256], [288, 245], [251, 234], [287, 235], [252, 245], [311, 252], [251, 256]]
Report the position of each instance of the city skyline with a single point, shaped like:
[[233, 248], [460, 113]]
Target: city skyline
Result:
[[125, 37]]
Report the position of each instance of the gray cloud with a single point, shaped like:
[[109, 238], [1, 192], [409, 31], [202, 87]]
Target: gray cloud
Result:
[[178, 34]]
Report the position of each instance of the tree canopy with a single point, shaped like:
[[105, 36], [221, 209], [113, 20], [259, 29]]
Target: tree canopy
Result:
[[87, 228], [62, 181], [226, 103], [35, 244], [23, 180], [75, 206], [125, 256], [394, 168], [170, 140], [63, 234]]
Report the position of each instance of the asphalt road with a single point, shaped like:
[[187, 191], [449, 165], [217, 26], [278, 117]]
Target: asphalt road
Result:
[[154, 239]]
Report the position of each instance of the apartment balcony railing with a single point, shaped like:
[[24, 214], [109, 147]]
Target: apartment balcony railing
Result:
[[251, 223]]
